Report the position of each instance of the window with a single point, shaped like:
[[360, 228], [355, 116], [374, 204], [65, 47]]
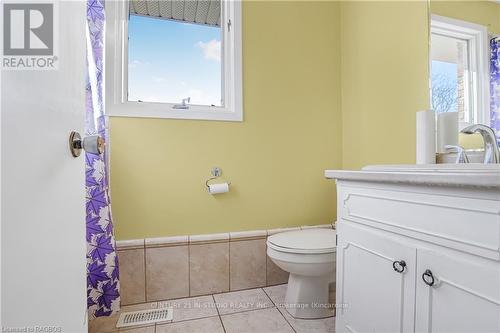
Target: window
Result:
[[169, 61], [459, 70], [174, 59]]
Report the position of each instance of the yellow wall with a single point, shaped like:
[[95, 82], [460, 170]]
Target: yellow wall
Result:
[[275, 159], [486, 13], [384, 81]]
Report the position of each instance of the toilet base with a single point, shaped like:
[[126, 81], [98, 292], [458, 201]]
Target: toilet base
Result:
[[307, 297]]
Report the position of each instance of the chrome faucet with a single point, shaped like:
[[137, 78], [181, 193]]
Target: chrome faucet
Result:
[[460, 151], [491, 152]]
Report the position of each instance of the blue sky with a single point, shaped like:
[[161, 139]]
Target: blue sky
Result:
[[171, 60]]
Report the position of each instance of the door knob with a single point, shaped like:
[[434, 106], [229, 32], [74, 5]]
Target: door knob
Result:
[[93, 144]]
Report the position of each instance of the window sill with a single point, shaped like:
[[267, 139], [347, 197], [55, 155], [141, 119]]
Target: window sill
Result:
[[165, 111]]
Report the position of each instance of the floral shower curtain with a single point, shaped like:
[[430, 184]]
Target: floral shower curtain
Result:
[[495, 86], [103, 297]]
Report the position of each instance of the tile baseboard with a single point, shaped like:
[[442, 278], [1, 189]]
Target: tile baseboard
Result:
[[165, 241], [203, 264]]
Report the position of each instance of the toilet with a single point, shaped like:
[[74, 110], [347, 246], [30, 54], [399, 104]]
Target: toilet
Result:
[[309, 256]]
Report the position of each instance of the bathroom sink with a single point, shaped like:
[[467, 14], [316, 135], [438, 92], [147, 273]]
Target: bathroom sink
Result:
[[426, 168]]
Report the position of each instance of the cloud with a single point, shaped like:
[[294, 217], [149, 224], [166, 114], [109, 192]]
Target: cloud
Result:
[[211, 49], [136, 63]]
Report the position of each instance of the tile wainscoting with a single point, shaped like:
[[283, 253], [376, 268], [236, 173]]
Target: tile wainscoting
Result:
[[155, 269]]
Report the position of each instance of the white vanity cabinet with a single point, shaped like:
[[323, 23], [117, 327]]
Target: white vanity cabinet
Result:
[[377, 298], [465, 296], [447, 235]]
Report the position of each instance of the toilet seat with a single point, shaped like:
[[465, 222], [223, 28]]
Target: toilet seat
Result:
[[306, 241]]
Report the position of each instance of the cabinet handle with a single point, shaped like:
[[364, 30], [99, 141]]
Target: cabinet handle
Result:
[[399, 266], [428, 277]]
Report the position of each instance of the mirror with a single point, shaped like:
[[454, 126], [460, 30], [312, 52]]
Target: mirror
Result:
[[464, 39]]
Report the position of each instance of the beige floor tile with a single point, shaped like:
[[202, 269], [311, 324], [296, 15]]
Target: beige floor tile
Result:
[[103, 324], [275, 275], [325, 325], [147, 329], [238, 301], [191, 308], [167, 272], [277, 294], [138, 307], [205, 325], [132, 276], [248, 264], [209, 268], [257, 321]]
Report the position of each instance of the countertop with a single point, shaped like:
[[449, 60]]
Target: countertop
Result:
[[461, 175]]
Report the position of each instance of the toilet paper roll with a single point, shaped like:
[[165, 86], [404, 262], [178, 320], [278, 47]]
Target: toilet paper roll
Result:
[[218, 188], [447, 130], [426, 137]]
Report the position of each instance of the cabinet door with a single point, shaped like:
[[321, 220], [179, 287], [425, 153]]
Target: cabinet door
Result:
[[465, 296], [371, 295]]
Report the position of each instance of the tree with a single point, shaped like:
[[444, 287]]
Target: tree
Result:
[[444, 93]]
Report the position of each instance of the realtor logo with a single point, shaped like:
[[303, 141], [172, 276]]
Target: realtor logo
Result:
[[28, 36]]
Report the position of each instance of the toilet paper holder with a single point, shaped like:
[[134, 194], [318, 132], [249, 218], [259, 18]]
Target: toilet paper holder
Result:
[[216, 173]]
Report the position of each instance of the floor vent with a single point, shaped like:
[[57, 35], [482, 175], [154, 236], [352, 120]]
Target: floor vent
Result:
[[145, 317]]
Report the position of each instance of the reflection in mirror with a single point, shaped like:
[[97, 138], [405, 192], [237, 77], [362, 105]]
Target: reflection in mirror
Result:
[[174, 52], [450, 74], [464, 42]]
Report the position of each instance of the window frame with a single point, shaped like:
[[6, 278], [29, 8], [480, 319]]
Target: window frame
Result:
[[116, 70], [477, 36]]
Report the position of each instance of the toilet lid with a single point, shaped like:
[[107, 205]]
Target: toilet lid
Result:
[[317, 240]]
